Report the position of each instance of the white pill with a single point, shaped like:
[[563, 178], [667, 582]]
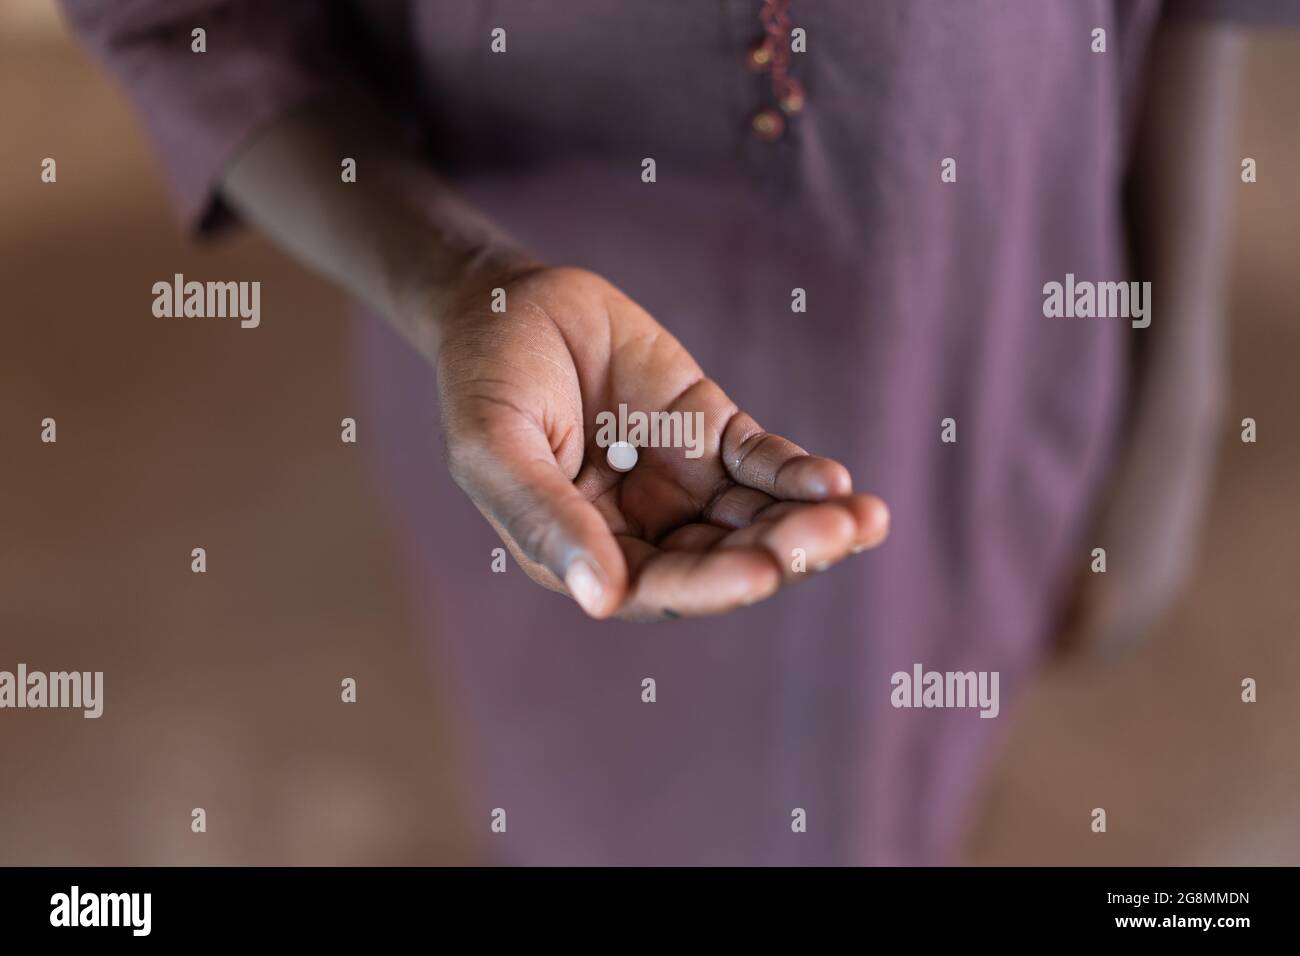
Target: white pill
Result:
[[621, 456]]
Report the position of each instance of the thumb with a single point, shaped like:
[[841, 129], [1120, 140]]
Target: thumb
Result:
[[510, 473]]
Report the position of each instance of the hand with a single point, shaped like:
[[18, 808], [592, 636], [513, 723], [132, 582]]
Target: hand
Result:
[[675, 536]]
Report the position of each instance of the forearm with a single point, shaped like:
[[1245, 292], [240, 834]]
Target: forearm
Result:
[[1183, 183], [398, 238], [1182, 180]]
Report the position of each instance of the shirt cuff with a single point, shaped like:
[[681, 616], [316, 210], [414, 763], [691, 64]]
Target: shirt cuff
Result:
[[261, 61]]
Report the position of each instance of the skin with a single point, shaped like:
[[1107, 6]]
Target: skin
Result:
[[676, 537], [520, 391], [673, 537]]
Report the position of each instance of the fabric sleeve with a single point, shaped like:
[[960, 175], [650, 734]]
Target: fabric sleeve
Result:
[[262, 59], [1284, 13]]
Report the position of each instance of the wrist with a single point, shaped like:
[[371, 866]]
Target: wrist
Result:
[[448, 281]]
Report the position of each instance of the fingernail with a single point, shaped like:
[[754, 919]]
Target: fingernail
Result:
[[858, 549], [821, 567], [584, 585]]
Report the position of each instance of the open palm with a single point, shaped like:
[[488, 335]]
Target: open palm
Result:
[[677, 535]]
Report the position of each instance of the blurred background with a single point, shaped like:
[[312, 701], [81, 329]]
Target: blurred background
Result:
[[178, 435]]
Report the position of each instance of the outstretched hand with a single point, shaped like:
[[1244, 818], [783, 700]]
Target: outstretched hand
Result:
[[675, 536]]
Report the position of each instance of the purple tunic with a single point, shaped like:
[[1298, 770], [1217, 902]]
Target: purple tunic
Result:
[[924, 302]]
